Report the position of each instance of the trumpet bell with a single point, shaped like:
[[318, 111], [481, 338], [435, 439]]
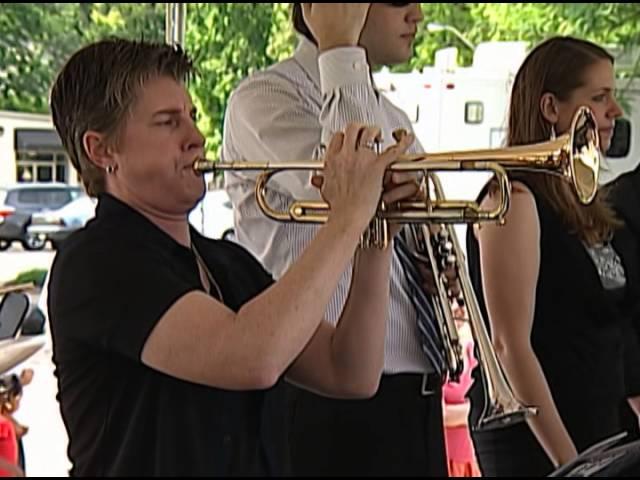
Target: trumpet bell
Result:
[[584, 161]]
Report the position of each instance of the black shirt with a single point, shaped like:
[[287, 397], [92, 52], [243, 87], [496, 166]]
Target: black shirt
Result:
[[625, 197], [110, 285], [576, 333]]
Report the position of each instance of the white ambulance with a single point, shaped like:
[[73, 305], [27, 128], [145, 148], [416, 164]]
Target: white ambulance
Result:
[[465, 108]]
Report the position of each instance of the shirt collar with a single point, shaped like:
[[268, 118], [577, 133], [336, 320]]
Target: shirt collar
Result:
[[112, 210]]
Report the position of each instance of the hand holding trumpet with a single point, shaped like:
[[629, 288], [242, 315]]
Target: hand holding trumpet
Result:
[[355, 177]]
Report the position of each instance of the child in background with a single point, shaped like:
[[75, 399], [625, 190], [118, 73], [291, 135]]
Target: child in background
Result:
[[460, 453], [12, 462]]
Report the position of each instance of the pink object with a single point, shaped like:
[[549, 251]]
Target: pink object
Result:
[[459, 445]]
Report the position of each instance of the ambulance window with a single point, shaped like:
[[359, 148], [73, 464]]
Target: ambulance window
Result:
[[473, 113], [621, 141]]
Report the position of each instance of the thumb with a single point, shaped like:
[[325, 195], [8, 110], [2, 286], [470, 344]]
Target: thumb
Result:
[[317, 181]]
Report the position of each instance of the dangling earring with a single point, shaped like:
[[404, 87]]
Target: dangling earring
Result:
[[553, 132]]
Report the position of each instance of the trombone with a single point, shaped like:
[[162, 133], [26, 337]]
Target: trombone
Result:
[[574, 156], [440, 247]]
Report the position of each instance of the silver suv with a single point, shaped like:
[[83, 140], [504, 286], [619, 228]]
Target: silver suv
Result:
[[19, 202]]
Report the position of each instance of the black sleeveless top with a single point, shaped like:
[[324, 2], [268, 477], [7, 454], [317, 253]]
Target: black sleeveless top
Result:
[[576, 333]]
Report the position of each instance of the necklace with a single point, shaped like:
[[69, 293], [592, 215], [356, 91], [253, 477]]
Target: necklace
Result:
[[609, 266], [203, 266]]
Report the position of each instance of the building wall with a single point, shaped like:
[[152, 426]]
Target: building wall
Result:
[[9, 122]]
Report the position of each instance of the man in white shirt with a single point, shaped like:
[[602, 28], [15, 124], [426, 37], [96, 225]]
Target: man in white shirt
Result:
[[286, 113]]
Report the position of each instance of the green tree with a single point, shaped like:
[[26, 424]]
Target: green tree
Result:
[[615, 25], [37, 37], [229, 41]]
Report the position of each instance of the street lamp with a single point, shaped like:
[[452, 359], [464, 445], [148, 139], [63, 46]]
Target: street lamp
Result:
[[438, 27]]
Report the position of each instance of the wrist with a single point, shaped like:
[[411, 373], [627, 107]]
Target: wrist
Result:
[[332, 44], [347, 225]]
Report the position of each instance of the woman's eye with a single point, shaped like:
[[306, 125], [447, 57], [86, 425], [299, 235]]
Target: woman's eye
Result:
[[168, 122]]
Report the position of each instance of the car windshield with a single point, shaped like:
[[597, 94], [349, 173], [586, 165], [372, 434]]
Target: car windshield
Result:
[[41, 198]]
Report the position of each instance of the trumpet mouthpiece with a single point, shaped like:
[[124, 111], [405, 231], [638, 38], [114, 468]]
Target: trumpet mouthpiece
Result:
[[202, 165]]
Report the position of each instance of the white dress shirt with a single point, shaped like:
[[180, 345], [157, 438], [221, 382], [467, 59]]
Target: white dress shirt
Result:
[[284, 114]]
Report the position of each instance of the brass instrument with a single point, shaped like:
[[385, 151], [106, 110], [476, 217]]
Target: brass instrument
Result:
[[574, 156], [439, 246]]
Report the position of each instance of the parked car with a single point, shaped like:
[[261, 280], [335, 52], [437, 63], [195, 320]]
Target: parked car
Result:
[[213, 216], [56, 225], [18, 203]]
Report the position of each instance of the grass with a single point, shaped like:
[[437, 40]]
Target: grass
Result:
[[35, 276]]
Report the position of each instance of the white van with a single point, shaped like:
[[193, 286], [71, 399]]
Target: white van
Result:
[[456, 108]]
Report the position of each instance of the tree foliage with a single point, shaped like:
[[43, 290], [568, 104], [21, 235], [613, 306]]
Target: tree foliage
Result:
[[230, 40]]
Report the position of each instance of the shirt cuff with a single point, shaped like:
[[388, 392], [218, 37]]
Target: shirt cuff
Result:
[[341, 67]]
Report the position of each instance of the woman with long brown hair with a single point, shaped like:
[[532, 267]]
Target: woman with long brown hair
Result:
[[550, 279]]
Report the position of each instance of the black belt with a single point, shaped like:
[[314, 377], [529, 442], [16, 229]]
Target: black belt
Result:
[[425, 384]]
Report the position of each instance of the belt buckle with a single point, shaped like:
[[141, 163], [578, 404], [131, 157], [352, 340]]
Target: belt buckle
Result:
[[426, 388]]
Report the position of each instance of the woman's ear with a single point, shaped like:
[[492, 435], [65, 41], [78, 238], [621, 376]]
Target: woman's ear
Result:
[[98, 149], [549, 108]]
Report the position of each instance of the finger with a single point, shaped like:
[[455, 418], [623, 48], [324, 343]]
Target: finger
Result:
[[352, 135], [406, 141], [392, 153], [370, 136], [387, 181], [317, 181], [336, 143], [402, 192], [398, 178]]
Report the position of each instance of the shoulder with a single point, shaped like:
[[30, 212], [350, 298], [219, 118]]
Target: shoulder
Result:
[[234, 255], [280, 79], [520, 197], [521, 221]]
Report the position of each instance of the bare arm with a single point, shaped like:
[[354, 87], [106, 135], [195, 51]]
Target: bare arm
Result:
[[634, 403], [201, 340], [510, 291], [347, 361]]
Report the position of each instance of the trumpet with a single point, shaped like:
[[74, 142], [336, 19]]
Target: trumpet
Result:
[[574, 156], [440, 247]]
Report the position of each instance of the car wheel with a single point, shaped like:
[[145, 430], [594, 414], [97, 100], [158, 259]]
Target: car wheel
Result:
[[34, 242], [4, 245]]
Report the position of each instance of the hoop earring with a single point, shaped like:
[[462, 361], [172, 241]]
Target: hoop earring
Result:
[[110, 169]]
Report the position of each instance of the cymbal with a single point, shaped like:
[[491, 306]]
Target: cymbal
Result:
[[17, 288]]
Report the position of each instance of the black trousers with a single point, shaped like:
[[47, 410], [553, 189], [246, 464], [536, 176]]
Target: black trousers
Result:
[[399, 432], [511, 452]]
